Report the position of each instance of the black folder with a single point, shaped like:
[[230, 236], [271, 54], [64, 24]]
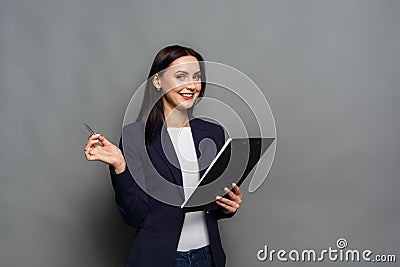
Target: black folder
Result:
[[233, 164]]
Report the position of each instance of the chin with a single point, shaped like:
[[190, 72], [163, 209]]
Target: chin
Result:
[[185, 105]]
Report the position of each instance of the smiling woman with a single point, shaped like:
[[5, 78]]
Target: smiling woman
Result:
[[167, 236], [175, 71]]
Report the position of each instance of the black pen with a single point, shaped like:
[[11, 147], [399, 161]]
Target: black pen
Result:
[[93, 133]]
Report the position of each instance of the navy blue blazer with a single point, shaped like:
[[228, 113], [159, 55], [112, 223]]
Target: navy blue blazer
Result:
[[159, 224]]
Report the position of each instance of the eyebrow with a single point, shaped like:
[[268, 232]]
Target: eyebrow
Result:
[[187, 72]]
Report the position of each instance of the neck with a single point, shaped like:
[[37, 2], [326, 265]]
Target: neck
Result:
[[176, 118]]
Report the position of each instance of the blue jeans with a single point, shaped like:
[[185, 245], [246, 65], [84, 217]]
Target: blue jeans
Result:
[[200, 257]]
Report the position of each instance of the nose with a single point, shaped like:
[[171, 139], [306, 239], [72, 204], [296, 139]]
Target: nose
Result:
[[191, 85]]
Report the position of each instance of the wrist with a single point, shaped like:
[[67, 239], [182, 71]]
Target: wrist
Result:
[[120, 166]]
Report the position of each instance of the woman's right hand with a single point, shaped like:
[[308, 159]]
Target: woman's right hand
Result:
[[108, 153]]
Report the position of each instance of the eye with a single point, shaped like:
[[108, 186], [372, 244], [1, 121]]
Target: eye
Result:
[[197, 77], [180, 77]]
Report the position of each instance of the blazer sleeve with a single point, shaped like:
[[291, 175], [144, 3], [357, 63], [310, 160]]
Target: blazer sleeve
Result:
[[131, 200]]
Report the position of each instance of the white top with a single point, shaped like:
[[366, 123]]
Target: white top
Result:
[[194, 231]]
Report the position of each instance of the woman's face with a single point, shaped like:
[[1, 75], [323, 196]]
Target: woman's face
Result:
[[180, 83]]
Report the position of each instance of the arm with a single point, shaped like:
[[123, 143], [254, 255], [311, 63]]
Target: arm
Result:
[[131, 200]]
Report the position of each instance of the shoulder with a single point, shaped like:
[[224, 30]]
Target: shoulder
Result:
[[135, 128], [133, 135]]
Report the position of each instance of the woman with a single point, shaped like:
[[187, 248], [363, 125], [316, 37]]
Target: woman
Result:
[[166, 236]]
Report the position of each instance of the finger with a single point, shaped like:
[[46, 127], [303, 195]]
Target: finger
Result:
[[237, 191], [90, 156], [104, 140], [93, 137], [91, 144], [232, 195], [226, 207], [228, 202], [95, 142], [96, 153]]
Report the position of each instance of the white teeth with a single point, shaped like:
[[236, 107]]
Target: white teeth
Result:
[[188, 95]]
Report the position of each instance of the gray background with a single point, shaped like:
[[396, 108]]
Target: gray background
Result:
[[330, 70]]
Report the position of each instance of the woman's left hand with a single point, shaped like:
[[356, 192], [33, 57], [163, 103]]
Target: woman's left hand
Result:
[[233, 203]]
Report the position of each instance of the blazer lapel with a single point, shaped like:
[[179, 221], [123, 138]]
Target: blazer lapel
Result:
[[206, 154], [165, 149]]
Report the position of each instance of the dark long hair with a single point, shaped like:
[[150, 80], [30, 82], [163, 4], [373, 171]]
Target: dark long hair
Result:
[[152, 111]]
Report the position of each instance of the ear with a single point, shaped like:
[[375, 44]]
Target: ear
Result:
[[157, 81]]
